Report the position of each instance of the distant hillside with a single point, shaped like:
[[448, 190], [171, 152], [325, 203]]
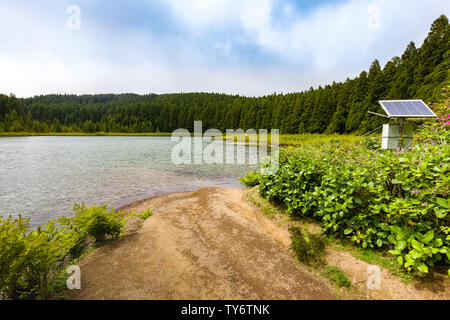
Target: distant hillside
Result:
[[340, 107]]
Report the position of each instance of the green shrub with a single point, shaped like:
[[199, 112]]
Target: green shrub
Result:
[[29, 258], [378, 199], [31, 261], [96, 222], [13, 258], [308, 247], [251, 179]]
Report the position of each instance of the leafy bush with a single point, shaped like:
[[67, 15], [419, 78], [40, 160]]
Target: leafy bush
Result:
[[251, 179], [308, 247], [390, 200], [31, 260], [13, 260], [96, 222]]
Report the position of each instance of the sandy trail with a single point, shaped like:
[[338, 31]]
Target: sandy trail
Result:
[[207, 244]]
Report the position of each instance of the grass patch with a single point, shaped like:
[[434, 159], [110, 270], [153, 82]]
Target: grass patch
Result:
[[144, 215], [265, 207], [337, 276], [304, 139], [294, 140], [308, 247]]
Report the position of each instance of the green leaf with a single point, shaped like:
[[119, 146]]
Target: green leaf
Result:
[[428, 236], [422, 267], [417, 245], [443, 202], [398, 232], [438, 242], [401, 245], [379, 243], [439, 214], [394, 252], [415, 254], [348, 231], [400, 260]]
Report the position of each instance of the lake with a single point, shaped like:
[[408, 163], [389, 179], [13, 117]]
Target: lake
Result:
[[41, 177]]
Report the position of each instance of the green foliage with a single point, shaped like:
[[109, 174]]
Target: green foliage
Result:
[[337, 276], [95, 222], [303, 139], [145, 215], [29, 258], [388, 200], [371, 143], [13, 259], [32, 261], [251, 179], [308, 247], [437, 133]]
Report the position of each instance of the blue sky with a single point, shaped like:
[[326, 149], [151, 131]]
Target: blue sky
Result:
[[247, 47]]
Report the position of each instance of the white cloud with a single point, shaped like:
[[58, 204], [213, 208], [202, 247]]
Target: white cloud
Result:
[[38, 54], [332, 41], [325, 36]]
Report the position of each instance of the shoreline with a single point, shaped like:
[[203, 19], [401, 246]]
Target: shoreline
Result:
[[226, 183], [127, 202]]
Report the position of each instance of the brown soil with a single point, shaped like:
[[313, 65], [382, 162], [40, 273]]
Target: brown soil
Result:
[[207, 244]]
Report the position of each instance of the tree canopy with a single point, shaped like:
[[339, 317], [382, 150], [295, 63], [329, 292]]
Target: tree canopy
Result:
[[420, 73]]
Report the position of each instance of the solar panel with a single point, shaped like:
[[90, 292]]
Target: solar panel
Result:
[[407, 109]]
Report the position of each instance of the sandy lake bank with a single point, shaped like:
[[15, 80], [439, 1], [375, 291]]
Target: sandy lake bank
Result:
[[206, 244]]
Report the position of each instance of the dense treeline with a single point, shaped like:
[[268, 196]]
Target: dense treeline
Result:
[[420, 73]]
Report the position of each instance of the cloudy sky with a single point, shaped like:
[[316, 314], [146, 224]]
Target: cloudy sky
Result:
[[247, 47]]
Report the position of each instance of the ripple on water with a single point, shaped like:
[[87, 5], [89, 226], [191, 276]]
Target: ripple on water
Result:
[[41, 177]]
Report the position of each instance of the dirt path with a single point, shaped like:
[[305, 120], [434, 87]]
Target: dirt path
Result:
[[207, 244]]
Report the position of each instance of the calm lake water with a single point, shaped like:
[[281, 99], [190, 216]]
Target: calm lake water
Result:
[[41, 177]]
